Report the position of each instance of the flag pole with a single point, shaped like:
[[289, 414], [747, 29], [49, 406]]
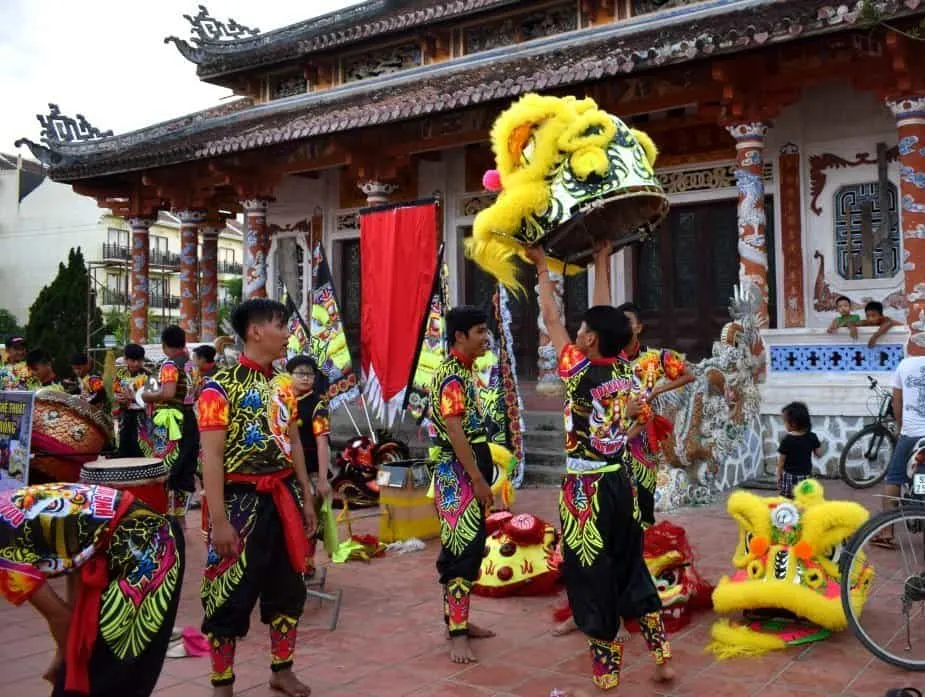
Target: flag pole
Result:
[[352, 420], [369, 423]]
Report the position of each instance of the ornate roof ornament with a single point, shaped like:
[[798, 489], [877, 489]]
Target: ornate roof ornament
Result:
[[205, 29], [57, 129]]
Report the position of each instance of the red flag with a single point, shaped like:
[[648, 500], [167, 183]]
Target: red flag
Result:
[[398, 246]]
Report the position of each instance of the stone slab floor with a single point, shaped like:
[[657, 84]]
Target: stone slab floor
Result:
[[389, 640]]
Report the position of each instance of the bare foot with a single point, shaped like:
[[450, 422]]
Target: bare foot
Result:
[[461, 651], [223, 691], [564, 628], [623, 635], [475, 632], [663, 673], [286, 682]]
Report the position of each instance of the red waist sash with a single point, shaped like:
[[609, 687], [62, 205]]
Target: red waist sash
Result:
[[274, 484], [85, 621]]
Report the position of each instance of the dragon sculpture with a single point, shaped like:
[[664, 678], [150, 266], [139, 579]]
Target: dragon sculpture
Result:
[[717, 440]]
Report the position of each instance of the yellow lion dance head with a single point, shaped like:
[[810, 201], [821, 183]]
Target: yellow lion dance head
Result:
[[558, 160], [787, 580]]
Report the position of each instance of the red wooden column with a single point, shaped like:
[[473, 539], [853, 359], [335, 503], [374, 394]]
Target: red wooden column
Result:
[[190, 220], [208, 288], [140, 278], [910, 122], [256, 247], [791, 233], [753, 253]]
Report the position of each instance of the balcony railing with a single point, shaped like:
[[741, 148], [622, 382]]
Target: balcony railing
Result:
[[108, 296], [171, 302], [168, 260], [116, 252], [231, 267]]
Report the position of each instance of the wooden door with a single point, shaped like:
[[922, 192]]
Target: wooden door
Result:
[[685, 276]]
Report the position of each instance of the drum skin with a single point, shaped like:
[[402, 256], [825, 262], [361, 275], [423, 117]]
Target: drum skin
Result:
[[66, 433], [145, 478]]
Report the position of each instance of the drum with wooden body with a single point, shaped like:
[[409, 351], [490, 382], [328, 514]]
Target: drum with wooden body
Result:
[[66, 432], [144, 477]]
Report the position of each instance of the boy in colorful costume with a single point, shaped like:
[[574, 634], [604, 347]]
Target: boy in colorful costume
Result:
[[603, 567], [14, 373], [124, 566], [90, 387], [129, 378], [41, 372], [173, 435], [464, 468], [256, 485]]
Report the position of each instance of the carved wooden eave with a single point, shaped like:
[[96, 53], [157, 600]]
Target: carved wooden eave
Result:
[[221, 57], [554, 64]]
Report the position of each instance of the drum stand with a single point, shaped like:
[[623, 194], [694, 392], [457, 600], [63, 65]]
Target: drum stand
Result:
[[315, 588]]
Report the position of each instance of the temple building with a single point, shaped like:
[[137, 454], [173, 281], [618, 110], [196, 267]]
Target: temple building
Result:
[[791, 137]]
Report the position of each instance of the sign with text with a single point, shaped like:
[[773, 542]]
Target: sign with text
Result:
[[15, 437]]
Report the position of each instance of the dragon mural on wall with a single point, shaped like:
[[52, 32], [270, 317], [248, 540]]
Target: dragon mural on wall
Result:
[[717, 440]]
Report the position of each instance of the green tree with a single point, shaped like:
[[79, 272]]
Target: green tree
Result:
[[9, 326], [234, 289], [58, 317]]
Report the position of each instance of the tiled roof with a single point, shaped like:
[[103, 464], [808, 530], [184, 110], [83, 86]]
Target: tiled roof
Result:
[[711, 28], [339, 28]]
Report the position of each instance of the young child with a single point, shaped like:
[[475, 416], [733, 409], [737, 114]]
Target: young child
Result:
[[845, 317], [41, 372], [89, 386], [874, 317], [795, 454], [128, 379], [314, 424]]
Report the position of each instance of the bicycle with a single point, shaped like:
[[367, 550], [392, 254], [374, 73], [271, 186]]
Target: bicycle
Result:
[[864, 460], [902, 572]]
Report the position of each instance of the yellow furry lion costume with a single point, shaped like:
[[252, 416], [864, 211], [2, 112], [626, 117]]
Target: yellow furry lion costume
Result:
[[567, 173]]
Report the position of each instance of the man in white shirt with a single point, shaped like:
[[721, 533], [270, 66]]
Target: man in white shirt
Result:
[[909, 409]]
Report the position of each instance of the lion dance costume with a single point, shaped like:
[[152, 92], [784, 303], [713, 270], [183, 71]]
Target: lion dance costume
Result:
[[787, 566], [560, 163]]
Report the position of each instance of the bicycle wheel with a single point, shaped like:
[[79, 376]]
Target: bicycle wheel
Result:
[[866, 456], [897, 582]]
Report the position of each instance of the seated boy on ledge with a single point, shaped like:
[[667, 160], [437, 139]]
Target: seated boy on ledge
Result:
[[874, 317], [845, 318]]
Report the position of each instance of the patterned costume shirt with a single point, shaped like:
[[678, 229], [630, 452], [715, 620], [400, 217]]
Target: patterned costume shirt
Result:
[[47, 531], [125, 382], [255, 409], [314, 422], [596, 392], [455, 395], [173, 370], [93, 389]]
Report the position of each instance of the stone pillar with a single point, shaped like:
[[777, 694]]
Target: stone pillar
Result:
[[190, 220], [791, 235], [910, 123], [256, 248], [140, 279], [548, 382], [377, 192], [208, 289], [753, 253]]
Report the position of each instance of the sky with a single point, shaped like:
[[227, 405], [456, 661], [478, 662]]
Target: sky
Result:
[[106, 59]]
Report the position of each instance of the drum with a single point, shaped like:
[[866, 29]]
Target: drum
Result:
[[66, 433], [144, 477]]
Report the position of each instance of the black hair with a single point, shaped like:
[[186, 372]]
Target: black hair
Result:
[[842, 297], [874, 306], [173, 337], [629, 307], [463, 319], [303, 359], [37, 357], [15, 341], [256, 311], [612, 329], [796, 415], [205, 352], [134, 352], [79, 359]]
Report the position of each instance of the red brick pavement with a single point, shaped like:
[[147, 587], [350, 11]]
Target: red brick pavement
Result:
[[389, 642]]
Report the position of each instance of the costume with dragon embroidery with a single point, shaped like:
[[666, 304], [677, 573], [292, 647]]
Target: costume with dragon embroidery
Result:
[[130, 562], [263, 502], [462, 519], [787, 564]]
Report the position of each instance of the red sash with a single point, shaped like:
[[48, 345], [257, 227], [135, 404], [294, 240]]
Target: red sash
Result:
[[274, 484], [657, 430], [85, 621]]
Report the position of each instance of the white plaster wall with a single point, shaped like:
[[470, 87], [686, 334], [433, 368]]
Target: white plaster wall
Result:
[[296, 200], [834, 119], [36, 235]]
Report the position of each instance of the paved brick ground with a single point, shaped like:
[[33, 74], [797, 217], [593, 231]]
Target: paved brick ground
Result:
[[389, 642]]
